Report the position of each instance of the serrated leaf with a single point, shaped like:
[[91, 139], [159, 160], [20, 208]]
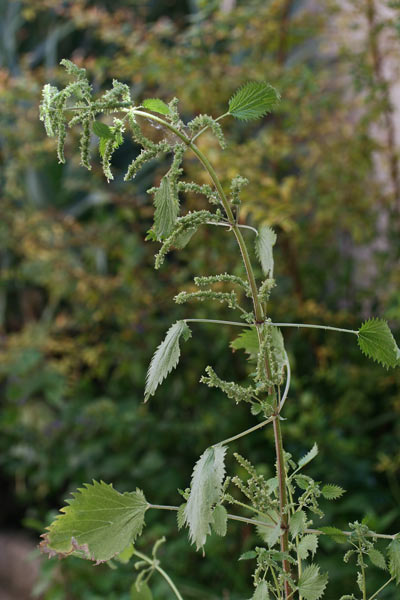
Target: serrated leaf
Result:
[[308, 545], [166, 357], [312, 583], [331, 491], [97, 524], [335, 534], [264, 243], [142, 592], [377, 558], [247, 341], [377, 342], [220, 520], [156, 105], [297, 523], [303, 481], [253, 100], [308, 457], [102, 130], [394, 559], [248, 555], [261, 592], [167, 208], [180, 517], [272, 531], [205, 492]]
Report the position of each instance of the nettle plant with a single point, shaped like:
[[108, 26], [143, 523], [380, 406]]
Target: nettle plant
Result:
[[99, 523]]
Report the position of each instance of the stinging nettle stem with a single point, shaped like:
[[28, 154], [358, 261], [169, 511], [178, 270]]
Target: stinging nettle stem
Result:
[[156, 566]]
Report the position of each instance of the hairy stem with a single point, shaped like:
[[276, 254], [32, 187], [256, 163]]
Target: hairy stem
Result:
[[308, 326], [236, 323], [282, 498], [231, 517], [381, 588], [259, 318]]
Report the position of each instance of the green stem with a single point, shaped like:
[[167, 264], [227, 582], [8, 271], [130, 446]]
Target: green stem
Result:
[[205, 128], [282, 499], [364, 585], [381, 588], [259, 512], [236, 323], [231, 517], [383, 536], [243, 433], [156, 566], [164, 123], [276, 583], [299, 565], [230, 226], [306, 325], [259, 318]]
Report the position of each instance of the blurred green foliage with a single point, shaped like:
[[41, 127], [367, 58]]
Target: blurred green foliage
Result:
[[81, 310]]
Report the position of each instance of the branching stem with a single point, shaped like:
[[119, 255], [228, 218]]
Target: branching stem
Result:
[[246, 432], [308, 326], [381, 588], [156, 566]]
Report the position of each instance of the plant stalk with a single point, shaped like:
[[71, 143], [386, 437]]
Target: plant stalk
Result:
[[156, 566], [282, 498], [246, 432], [381, 588], [259, 319]]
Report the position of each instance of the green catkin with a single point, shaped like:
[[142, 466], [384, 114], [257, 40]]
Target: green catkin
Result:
[[190, 222], [202, 121], [85, 143], [236, 185], [206, 190], [246, 464], [174, 116], [261, 374], [73, 69], [106, 159], [224, 297], [265, 289], [232, 390], [112, 144], [146, 155], [137, 133], [119, 91], [45, 108], [62, 134], [176, 170], [226, 278]]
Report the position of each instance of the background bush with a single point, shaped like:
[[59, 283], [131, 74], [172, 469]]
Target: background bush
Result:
[[81, 310]]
